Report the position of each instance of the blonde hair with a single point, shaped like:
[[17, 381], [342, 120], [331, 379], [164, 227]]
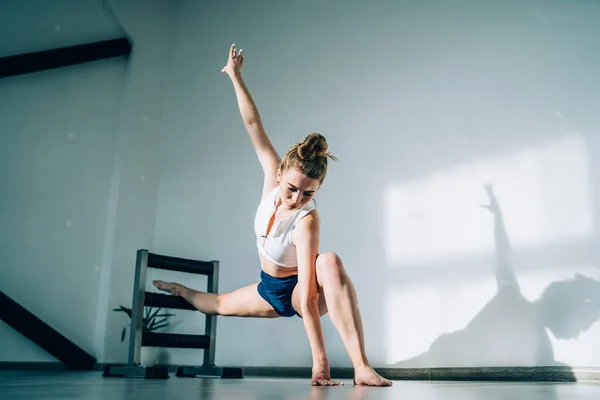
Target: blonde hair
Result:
[[309, 157]]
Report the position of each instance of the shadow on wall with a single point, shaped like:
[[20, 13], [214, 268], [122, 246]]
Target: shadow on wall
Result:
[[510, 326]]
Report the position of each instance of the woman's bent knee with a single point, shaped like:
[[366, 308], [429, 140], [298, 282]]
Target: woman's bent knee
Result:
[[329, 258], [329, 267], [221, 305]]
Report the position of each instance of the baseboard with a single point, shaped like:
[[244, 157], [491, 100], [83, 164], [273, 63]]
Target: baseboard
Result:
[[520, 374], [500, 374]]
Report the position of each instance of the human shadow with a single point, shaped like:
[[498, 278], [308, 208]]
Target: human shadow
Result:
[[510, 327]]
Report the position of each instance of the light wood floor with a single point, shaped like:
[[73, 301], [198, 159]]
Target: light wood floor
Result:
[[16, 385]]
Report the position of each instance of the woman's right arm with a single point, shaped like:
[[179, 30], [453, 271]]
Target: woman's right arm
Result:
[[267, 156]]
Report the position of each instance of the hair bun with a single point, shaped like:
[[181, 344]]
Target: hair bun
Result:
[[309, 157], [315, 145]]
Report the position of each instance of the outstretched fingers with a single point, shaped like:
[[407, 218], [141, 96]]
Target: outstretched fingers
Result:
[[326, 382], [235, 61]]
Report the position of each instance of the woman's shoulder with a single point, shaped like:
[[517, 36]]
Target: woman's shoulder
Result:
[[310, 220], [307, 227]]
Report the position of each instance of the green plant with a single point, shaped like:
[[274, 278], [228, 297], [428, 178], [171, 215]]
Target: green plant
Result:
[[152, 320]]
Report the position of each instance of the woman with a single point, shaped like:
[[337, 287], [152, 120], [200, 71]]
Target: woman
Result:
[[295, 279]]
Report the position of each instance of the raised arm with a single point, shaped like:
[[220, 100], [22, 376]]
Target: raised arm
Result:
[[267, 156], [505, 274]]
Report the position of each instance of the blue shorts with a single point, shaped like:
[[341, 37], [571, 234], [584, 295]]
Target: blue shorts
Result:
[[278, 293]]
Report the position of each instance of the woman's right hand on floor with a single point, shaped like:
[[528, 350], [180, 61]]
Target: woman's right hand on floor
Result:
[[321, 376]]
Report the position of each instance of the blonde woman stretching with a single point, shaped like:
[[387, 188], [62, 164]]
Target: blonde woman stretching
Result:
[[295, 278]]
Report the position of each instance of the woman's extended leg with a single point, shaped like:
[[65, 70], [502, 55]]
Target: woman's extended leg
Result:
[[342, 304], [244, 302]]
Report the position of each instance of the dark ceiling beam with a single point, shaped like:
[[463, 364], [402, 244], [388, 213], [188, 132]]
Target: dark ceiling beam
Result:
[[22, 64]]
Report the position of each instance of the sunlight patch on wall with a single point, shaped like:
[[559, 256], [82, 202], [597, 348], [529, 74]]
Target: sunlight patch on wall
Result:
[[465, 322], [417, 315], [544, 192]]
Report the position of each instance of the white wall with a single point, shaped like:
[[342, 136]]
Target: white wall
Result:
[[78, 155], [132, 200], [423, 103], [58, 148]]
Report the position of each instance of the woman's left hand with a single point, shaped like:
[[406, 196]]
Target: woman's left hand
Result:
[[235, 62]]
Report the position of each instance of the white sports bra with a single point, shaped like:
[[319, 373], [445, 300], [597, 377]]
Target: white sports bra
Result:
[[277, 247]]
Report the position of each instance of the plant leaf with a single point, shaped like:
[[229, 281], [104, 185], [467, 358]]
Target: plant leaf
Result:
[[158, 322], [154, 312], [126, 311], [123, 334], [123, 309], [151, 324], [159, 326], [164, 315]]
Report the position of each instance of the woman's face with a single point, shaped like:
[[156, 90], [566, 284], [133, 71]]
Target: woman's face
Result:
[[296, 189]]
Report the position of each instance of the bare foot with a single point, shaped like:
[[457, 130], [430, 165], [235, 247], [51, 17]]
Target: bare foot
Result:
[[174, 289], [368, 377]]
